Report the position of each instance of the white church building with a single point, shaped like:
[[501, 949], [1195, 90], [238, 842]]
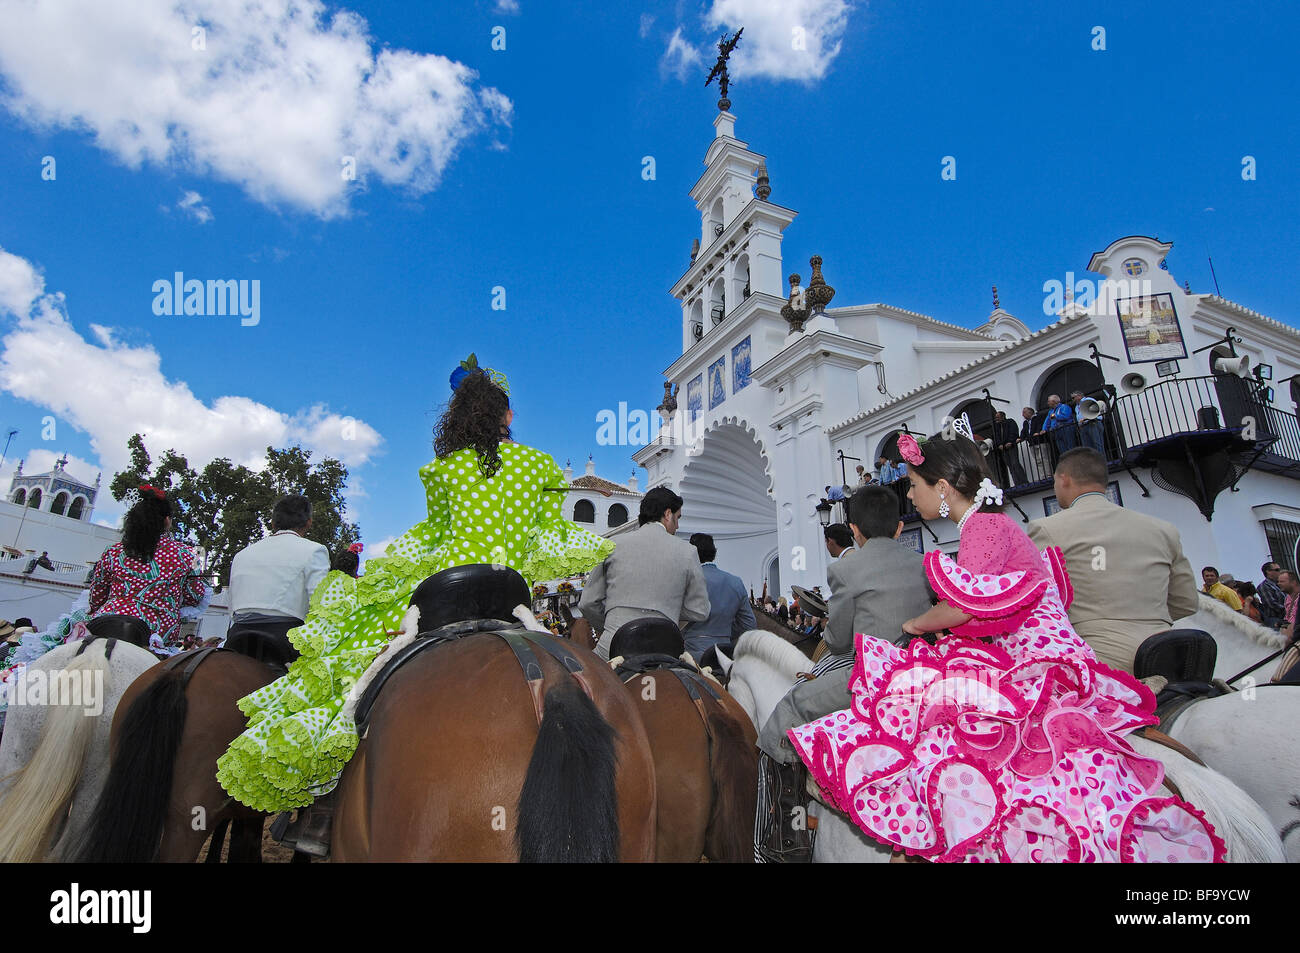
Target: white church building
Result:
[[778, 394]]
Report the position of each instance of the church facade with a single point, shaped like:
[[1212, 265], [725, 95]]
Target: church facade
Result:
[[777, 395]]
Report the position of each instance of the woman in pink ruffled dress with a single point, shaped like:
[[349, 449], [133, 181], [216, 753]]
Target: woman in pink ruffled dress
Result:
[[1003, 741]]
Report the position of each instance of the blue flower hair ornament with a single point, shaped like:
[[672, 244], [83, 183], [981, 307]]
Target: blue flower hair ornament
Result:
[[469, 365]]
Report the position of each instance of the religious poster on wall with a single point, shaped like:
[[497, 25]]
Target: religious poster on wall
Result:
[[740, 366], [695, 396], [1150, 327], [717, 382]]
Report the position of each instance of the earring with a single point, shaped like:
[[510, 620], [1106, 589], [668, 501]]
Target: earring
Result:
[[944, 509]]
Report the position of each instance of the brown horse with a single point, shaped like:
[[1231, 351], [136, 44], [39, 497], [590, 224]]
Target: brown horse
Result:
[[704, 745], [162, 798], [454, 764]]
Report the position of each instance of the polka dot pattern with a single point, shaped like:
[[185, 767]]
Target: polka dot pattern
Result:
[[297, 741], [1009, 750]]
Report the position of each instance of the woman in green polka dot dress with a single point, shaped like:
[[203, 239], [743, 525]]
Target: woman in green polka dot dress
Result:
[[487, 504]]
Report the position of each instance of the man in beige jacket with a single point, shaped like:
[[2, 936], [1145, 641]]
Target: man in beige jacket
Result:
[[1130, 577]]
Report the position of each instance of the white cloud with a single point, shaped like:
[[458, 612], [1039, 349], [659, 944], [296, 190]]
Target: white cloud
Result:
[[510, 7], [680, 57], [110, 390], [647, 21], [278, 93], [191, 203], [784, 39]]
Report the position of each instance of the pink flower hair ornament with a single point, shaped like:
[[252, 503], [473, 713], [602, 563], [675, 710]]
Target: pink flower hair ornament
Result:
[[910, 450], [356, 548]]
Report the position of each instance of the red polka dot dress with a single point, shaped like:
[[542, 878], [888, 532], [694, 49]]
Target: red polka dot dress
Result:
[[154, 591], [1004, 741]]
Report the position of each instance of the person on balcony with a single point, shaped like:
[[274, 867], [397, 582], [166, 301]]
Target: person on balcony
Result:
[[1130, 576], [1060, 424], [1091, 432], [1004, 446]]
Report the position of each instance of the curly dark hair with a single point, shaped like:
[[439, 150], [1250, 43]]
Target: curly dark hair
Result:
[[145, 524], [474, 418], [959, 461]]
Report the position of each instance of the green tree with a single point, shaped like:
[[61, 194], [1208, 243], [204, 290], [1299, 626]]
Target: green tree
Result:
[[225, 507]]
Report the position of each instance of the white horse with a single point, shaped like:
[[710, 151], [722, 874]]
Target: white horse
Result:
[[766, 666], [54, 753], [1248, 735]]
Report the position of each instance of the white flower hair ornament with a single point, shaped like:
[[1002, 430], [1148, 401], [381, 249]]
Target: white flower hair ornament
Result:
[[988, 492]]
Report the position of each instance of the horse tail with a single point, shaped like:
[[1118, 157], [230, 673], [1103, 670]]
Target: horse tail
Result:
[[568, 808], [1247, 831], [733, 763], [41, 791], [127, 823]]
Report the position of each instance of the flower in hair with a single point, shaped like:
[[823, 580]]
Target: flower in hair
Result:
[[910, 450], [988, 492], [146, 488], [356, 548]]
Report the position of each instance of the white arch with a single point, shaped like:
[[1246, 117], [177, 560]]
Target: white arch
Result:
[[727, 485]]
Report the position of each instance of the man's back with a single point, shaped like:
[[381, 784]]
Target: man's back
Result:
[[276, 576], [729, 612], [874, 590], [1128, 571], [649, 573]]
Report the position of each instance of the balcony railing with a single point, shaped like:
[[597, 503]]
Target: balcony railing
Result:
[[1230, 407]]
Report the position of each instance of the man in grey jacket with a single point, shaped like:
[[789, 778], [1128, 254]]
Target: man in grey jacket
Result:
[[1129, 574], [730, 616], [650, 573], [874, 590]]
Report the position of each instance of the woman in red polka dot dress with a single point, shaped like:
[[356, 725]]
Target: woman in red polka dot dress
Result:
[[1003, 741], [148, 574]]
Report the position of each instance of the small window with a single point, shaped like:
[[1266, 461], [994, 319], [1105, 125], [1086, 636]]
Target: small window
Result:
[[75, 510], [617, 515], [584, 511]]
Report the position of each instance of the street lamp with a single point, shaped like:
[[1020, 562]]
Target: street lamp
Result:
[[824, 510]]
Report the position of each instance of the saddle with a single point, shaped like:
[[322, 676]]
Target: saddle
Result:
[[122, 628], [265, 643], [648, 636], [1185, 657], [476, 591]]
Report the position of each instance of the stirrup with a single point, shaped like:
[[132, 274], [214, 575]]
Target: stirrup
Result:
[[309, 832], [787, 842]]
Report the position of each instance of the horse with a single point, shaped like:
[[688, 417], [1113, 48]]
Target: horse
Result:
[[161, 799], [54, 753], [765, 668], [703, 742], [1248, 735], [492, 741]]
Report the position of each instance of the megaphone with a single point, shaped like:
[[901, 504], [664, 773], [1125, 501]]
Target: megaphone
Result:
[[1132, 383], [986, 446], [1232, 365], [1091, 408]]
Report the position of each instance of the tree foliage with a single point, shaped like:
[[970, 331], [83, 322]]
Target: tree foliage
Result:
[[225, 507]]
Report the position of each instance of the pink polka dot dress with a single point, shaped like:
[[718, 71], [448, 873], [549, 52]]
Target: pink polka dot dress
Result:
[[1004, 741]]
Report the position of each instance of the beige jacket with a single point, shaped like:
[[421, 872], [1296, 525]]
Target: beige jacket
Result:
[[1128, 571]]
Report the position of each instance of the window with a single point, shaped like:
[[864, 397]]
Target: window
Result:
[[584, 511], [20, 496], [617, 515], [1283, 535], [60, 504], [75, 510], [34, 499]]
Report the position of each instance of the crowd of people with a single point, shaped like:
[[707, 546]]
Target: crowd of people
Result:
[[1272, 602], [1031, 608]]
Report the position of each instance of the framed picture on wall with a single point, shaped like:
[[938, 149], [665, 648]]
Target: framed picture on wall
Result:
[[1150, 328], [1051, 505], [911, 538]]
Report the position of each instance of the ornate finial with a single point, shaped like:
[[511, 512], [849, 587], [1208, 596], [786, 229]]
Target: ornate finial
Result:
[[1187, 286], [795, 311], [996, 303], [1069, 295], [819, 292], [725, 46], [669, 405], [695, 248], [764, 187], [19, 471], [63, 462]]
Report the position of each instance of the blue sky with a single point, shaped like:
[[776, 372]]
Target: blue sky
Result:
[[525, 173]]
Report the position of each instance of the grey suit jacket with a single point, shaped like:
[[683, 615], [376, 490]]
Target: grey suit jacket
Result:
[[874, 590], [1130, 576], [730, 615], [649, 573]]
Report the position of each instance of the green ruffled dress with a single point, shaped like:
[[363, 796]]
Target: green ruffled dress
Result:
[[297, 741]]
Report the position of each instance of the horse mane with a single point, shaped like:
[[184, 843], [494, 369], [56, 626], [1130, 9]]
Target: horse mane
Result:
[[1260, 634], [771, 649], [1246, 830]]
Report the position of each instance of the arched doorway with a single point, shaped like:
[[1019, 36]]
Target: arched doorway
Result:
[[1066, 379], [981, 421], [724, 489]]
